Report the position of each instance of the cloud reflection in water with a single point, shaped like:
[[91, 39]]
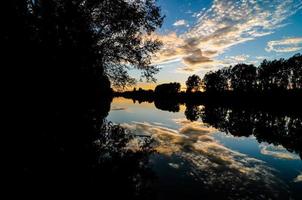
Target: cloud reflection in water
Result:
[[277, 152], [215, 167]]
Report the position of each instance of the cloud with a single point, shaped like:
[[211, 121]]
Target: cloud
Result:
[[233, 60], [173, 165], [181, 22], [196, 57], [298, 178], [114, 108], [185, 50], [285, 45], [277, 152], [211, 164], [261, 57], [223, 25]]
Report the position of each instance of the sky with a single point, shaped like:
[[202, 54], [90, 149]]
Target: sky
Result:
[[203, 35]]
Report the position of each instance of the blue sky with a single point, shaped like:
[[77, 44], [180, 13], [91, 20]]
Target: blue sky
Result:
[[204, 35]]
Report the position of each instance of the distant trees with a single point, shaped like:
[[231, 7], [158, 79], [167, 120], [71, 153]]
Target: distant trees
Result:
[[243, 77], [269, 78], [167, 89], [281, 74], [276, 75], [193, 83], [296, 78], [216, 81]]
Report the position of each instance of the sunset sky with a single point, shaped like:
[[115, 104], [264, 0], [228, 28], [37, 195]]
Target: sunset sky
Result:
[[204, 35]]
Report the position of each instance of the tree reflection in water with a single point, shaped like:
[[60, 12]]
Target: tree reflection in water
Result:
[[278, 128], [123, 161], [192, 112], [268, 123], [84, 152], [77, 151]]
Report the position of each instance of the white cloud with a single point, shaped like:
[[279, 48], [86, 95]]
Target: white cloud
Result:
[[261, 57], [233, 60], [277, 152], [181, 22], [223, 25], [285, 45], [298, 178]]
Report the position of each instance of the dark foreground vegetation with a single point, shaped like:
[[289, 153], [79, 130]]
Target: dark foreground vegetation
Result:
[[59, 60], [277, 82]]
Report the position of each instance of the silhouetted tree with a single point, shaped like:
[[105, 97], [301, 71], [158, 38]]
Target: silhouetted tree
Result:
[[274, 75], [79, 41], [295, 63], [243, 77], [61, 55], [193, 83], [216, 81], [271, 76], [167, 89]]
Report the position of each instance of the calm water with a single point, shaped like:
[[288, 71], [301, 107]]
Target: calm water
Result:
[[213, 152]]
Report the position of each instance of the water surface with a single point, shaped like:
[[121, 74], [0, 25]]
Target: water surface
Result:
[[217, 152]]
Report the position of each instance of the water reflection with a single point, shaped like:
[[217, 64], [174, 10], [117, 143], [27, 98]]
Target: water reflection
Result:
[[123, 162], [215, 168], [161, 154], [277, 126], [218, 151], [298, 178], [274, 128], [78, 151]]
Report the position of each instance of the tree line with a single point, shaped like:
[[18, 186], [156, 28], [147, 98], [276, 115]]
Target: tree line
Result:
[[269, 77], [275, 75]]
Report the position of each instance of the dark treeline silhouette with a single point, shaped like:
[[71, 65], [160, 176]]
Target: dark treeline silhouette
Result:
[[270, 76], [193, 83], [163, 96], [167, 89], [60, 59], [272, 82]]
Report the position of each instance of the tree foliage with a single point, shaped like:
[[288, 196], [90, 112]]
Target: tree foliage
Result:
[[167, 89], [276, 75], [81, 40], [243, 77], [193, 83], [216, 81]]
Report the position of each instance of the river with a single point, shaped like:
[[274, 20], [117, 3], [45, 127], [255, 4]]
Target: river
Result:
[[202, 151]]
